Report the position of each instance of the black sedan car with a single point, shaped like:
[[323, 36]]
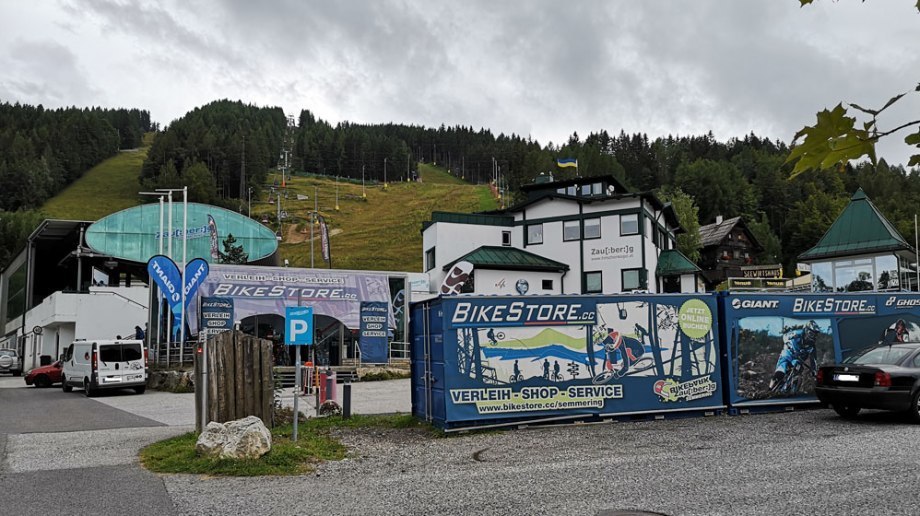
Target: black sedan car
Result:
[[882, 377]]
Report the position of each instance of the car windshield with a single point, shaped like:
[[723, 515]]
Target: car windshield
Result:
[[880, 355]]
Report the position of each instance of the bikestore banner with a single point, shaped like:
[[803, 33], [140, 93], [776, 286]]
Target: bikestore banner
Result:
[[268, 290], [519, 358], [216, 314], [373, 334], [776, 342]]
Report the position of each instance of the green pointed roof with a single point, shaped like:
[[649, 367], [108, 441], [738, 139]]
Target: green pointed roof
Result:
[[508, 258], [673, 263], [859, 229]]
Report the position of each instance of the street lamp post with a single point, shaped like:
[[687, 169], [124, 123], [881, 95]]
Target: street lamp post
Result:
[[159, 322], [363, 191], [385, 173], [249, 202], [181, 267]]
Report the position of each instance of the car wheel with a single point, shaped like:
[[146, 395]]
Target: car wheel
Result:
[[140, 390], [915, 408], [42, 381], [64, 385], [89, 392], [846, 411]]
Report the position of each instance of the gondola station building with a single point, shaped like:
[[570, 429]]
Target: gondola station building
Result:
[[574, 236]]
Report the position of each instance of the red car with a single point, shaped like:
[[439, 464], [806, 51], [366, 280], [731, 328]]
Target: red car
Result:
[[45, 376]]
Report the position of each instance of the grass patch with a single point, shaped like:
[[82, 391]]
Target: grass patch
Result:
[[104, 189], [381, 232], [314, 445], [377, 376], [433, 174]]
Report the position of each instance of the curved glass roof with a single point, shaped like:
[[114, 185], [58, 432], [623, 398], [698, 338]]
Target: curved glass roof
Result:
[[134, 234]]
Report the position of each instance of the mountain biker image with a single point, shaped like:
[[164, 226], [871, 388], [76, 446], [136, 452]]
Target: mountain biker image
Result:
[[798, 344], [556, 375], [546, 369], [517, 370], [897, 334], [630, 350], [491, 336]]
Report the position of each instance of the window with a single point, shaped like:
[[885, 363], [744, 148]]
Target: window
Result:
[[506, 238], [663, 240], [594, 283], [547, 284], [592, 228], [631, 279], [535, 234], [597, 188], [629, 224], [585, 190], [571, 230], [572, 190], [429, 259], [561, 191]]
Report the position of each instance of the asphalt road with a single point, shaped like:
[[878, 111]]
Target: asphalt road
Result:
[[63, 453]]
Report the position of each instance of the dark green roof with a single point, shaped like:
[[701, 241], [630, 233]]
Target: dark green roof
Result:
[[673, 263], [860, 229], [468, 218], [508, 258]]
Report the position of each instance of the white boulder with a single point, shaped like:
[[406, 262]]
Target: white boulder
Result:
[[246, 438]]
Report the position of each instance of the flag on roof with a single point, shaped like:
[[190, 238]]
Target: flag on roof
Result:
[[567, 162]]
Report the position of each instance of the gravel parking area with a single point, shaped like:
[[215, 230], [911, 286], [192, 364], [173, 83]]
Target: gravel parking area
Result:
[[807, 462]]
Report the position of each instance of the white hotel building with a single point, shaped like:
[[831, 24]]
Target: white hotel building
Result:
[[576, 236]]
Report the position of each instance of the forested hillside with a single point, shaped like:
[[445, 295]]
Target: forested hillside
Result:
[[224, 148], [205, 149], [44, 150]]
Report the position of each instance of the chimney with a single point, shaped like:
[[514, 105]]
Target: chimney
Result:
[[718, 219]]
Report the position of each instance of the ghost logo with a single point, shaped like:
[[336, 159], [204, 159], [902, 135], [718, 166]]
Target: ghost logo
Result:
[[522, 286]]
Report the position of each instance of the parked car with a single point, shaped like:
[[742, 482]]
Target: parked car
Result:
[[10, 362], [105, 364], [882, 377], [46, 375]]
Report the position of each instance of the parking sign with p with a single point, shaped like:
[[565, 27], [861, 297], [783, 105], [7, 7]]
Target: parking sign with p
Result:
[[298, 326]]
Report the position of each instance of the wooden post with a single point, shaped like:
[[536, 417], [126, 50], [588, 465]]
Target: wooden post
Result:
[[240, 381]]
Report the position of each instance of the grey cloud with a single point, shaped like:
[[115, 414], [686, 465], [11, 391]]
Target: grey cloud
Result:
[[44, 70], [540, 68]]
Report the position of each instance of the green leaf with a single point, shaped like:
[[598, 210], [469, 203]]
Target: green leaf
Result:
[[832, 140], [912, 139], [914, 160]]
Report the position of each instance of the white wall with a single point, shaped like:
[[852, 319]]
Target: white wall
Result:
[[451, 241], [609, 254], [489, 281], [102, 313], [688, 283]]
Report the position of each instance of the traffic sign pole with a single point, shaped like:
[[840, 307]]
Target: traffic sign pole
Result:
[[296, 390], [298, 331]]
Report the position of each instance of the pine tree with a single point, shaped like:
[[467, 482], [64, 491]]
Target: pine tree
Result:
[[233, 253]]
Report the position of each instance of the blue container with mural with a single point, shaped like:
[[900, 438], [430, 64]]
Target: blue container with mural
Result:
[[480, 361], [775, 342]]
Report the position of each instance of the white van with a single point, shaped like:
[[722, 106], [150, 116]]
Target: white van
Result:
[[105, 364]]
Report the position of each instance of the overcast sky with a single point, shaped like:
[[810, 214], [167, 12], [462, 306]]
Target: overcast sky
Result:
[[537, 68]]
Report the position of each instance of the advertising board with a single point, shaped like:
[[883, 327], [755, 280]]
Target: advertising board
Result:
[[776, 342], [541, 357]]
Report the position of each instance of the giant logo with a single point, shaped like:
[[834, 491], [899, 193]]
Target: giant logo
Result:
[[755, 303]]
